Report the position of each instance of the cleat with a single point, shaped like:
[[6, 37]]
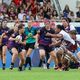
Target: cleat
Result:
[[29, 68], [3, 68]]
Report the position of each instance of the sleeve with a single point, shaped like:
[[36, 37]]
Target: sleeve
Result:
[[10, 32], [42, 30], [72, 28], [78, 37]]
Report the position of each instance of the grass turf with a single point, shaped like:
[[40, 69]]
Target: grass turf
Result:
[[39, 74]]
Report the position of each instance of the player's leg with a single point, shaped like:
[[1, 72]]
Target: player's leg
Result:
[[78, 55], [70, 54], [14, 56], [0, 54], [59, 52], [47, 56], [28, 59], [65, 62], [4, 50], [22, 59], [48, 62], [53, 57], [73, 58], [42, 58], [29, 48]]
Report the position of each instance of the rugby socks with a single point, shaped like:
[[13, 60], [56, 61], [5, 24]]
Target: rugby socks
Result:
[[12, 65], [20, 68], [77, 65], [43, 61], [40, 63], [60, 65], [48, 66], [3, 66], [28, 60]]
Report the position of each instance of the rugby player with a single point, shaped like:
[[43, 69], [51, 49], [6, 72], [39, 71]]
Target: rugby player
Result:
[[31, 34], [66, 24], [64, 48], [4, 41], [17, 46], [44, 44]]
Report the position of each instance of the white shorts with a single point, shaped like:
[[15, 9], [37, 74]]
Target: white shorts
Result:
[[61, 48]]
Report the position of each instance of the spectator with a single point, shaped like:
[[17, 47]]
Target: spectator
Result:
[[78, 13], [66, 11], [38, 17], [17, 2], [28, 5], [71, 16], [12, 13], [12, 4], [54, 14], [32, 17], [21, 14], [1, 15], [34, 8], [3, 8], [66, 24], [24, 18]]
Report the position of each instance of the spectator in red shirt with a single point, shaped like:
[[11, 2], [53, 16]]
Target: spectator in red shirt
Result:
[[18, 2]]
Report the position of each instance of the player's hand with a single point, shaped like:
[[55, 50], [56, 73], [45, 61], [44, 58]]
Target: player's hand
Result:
[[36, 45], [48, 34], [3, 35], [35, 37], [17, 40], [11, 39]]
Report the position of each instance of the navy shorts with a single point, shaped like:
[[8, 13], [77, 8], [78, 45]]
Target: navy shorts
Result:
[[30, 45], [46, 48], [0, 49]]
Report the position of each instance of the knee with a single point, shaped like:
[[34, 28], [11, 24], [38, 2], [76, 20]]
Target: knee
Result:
[[28, 55], [4, 54], [22, 60], [42, 55], [15, 54]]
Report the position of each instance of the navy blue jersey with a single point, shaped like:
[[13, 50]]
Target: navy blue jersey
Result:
[[43, 39], [23, 36], [5, 39], [11, 43]]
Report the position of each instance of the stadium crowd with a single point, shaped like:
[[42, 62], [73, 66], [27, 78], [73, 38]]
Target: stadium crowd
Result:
[[34, 10], [28, 10], [55, 43]]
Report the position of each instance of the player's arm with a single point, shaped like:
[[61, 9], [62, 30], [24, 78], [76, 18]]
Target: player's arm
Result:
[[0, 40], [23, 42], [36, 34], [54, 35], [56, 43], [3, 34], [12, 39]]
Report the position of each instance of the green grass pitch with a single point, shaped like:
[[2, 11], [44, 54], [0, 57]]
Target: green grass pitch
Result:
[[39, 74]]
